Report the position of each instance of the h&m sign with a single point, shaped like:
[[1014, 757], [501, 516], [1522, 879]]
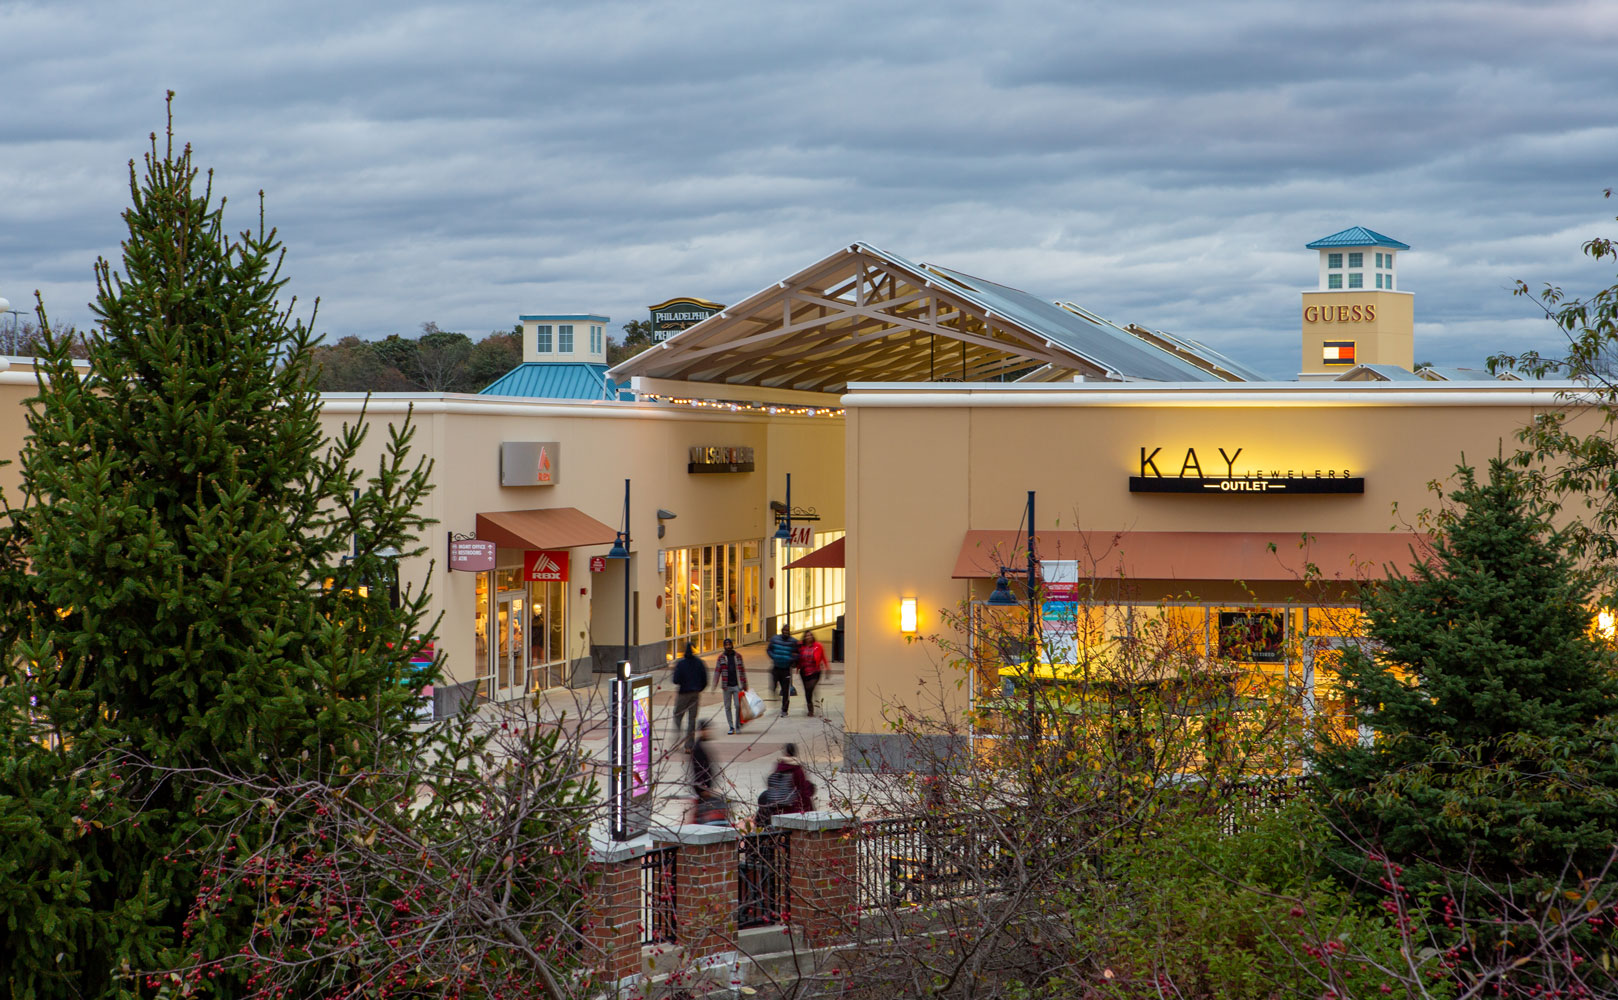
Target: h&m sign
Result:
[[1190, 477]]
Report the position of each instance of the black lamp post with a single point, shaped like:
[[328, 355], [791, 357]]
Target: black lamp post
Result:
[[783, 534], [620, 550], [1003, 598]]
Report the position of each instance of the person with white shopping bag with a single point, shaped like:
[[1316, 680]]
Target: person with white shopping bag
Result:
[[731, 675]]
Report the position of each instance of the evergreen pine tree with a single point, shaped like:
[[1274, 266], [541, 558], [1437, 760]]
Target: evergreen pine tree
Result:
[[192, 590], [1490, 700]]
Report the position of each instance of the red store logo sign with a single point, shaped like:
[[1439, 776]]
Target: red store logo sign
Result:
[[545, 565]]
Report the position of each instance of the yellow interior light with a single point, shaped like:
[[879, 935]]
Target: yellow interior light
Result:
[[1607, 624], [907, 614]]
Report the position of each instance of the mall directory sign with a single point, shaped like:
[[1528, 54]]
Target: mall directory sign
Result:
[[471, 555], [629, 787]]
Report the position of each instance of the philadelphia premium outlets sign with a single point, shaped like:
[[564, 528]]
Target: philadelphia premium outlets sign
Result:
[[1189, 477]]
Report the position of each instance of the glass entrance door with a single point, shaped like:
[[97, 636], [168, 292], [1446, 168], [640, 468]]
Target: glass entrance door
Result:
[[510, 667], [752, 621]]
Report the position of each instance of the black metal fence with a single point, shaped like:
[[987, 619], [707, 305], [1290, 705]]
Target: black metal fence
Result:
[[1241, 802], [763, 878], [657, 891], [914, 860]]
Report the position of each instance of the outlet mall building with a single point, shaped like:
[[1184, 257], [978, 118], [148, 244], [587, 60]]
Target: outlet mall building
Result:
[[914, 407]]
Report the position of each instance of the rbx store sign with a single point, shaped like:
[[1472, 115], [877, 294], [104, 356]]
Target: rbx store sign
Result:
[[1192, 479], [545, 565]]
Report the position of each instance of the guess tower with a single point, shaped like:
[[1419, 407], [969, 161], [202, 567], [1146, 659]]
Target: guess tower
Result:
[[1357, 315]]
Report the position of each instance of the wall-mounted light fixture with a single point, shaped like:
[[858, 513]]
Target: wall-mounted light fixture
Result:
[[907, 614], [664, 515]]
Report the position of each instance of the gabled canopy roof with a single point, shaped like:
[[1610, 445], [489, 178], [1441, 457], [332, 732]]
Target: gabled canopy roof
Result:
[[1357, 236], [863, 314], [1378, 373]]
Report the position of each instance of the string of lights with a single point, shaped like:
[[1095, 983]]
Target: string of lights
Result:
[[741, 405]]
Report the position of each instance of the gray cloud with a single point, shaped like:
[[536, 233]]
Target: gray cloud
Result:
[[1159, 163]]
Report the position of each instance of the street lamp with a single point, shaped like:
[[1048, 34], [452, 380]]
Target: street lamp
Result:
[[1003, 598], [620, 550], [783, 534], [16, 319]]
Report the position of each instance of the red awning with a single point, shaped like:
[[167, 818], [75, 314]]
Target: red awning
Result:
[[549, 528], [828, 556], [1195, 555]]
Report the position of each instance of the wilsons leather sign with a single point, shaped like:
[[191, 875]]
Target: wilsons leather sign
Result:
[[1224, 478]]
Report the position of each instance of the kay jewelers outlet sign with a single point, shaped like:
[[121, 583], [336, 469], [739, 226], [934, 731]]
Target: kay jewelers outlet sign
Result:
[[1161, 474]]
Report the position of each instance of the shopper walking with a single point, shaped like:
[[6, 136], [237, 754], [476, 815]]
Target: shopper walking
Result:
[[788, 790], [731, 677], [690, 678], [811, 664], [783, 650], [703, 777]]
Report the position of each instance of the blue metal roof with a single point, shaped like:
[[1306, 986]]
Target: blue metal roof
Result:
[[579, 318], [1109, 348], [1357, 236], [552, 380]]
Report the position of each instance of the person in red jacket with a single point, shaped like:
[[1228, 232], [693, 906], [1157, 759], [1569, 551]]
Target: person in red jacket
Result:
[[788, 790], [811, 663]]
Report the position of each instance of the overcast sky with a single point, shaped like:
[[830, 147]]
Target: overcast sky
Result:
[[1157, 163]]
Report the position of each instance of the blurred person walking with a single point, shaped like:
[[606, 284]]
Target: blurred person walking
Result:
[[783, 650], [690, 679]]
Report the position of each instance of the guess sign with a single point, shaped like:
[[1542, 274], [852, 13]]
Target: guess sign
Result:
[[545, 565]]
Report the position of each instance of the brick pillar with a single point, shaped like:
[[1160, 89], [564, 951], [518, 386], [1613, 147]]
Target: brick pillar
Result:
[[613, 929], [825, 890], [704, 888]]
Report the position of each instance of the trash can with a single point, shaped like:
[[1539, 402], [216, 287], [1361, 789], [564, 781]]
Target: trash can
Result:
[[837, 641]]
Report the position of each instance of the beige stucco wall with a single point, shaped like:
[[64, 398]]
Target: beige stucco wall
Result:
[[601, 445], [941, 461]]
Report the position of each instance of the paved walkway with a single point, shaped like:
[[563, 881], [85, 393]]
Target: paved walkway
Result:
[[745, 759]]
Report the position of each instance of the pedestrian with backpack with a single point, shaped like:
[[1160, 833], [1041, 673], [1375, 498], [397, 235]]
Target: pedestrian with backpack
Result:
[[788, 790], [783, 650], [811, 663]]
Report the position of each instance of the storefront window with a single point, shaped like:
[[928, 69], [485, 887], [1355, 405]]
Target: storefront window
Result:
[[710, 594], [547, 653], [1261, 652], [816, 594], [480, 630]]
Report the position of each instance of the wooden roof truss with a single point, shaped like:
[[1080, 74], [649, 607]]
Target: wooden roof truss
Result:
[[856, 317]]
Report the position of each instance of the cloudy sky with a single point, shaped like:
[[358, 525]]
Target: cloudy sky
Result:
[[1158, 163]]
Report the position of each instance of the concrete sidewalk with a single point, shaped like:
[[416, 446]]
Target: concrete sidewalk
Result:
[[744, 759]]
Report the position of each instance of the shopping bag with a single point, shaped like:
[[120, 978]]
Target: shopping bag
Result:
[[744, 714], [755, 704]]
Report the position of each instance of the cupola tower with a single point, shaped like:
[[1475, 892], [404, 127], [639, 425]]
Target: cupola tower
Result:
[[1358, 314]]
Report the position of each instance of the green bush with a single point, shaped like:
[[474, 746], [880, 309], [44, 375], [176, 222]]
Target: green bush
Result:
[[1194, 913]]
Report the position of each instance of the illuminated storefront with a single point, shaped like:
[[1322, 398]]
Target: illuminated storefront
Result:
[[710, 594]]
